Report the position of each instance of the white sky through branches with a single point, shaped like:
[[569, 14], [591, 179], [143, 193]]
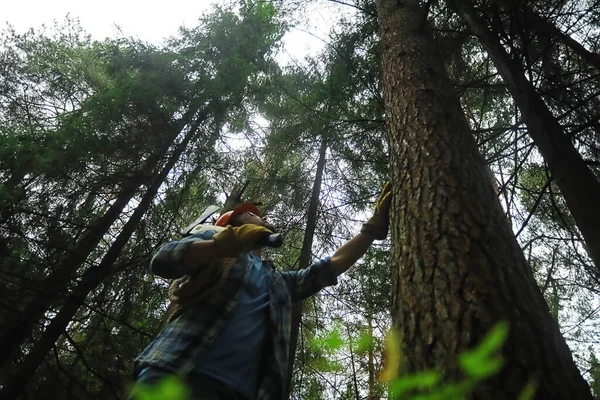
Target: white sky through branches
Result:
[[152, 22]]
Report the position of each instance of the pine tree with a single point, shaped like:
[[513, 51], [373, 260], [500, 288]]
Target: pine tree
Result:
[[457, 269]]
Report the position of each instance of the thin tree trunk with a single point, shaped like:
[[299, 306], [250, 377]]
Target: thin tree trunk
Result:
[[370, 363], [550, 31], [92, 277], [457, 269], [305, 256], [51, 288], [577, 183], [354, 377]]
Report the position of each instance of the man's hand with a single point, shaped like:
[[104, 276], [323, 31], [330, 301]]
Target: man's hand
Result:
[[379, 223], [232, 241]]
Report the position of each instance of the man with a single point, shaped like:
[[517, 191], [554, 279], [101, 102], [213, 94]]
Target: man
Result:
[[229, 336]]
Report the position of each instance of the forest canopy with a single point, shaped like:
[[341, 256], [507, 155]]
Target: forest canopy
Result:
[[108, 148]]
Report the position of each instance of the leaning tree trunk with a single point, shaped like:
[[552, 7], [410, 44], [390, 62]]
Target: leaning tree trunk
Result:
[[89, 281], [305, 256], [577, 183], [457, 268], [52, 287], [545, 28]]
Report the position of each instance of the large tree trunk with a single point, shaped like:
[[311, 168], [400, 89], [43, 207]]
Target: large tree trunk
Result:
[[89, 281], [457, 267], [305, 256], [577, 183]]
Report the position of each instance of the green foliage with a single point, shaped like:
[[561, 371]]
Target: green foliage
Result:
[[80, 117], [481, 362], [332, 341], [543, 199], [85, 122], [528, 393], [327, 345], [594, 371], [168, 388], [419, 381], [365, 342], [477, 364]]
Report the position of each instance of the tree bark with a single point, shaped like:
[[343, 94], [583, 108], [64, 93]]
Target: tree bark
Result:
[[457, 268], [92, 277], [305, 256], [577, 183]]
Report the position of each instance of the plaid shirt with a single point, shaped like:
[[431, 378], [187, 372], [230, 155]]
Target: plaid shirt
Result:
[[180, 345]]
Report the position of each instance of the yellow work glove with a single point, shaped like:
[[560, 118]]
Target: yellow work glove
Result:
[[378, 225], [232, 241]]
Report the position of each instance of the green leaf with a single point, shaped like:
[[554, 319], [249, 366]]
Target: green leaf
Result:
[[479, 363], [364, 342], [168, 388], [334, 340], [456, 391], [323, 364], [422, 380], [493, 340], [480, 368], [529, 390], [330, 342]]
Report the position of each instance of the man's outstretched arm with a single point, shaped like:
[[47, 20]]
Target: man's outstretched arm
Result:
[[187, 256], [305, 282], [375, 228], [350, 252]]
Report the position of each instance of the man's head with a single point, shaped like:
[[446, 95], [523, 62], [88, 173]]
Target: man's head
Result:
[[245, 213]]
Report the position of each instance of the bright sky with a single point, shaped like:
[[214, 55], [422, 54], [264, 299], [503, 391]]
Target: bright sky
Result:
[[134, 17], [152, 23]]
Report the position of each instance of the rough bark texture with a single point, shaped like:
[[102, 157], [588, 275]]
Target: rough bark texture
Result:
[[457, 268]]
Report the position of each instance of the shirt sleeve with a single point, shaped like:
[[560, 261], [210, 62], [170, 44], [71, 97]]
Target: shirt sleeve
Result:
[[167, 261], [305, 282]]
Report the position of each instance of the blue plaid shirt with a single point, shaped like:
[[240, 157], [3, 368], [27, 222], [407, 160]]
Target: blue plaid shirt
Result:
[[180, 345]]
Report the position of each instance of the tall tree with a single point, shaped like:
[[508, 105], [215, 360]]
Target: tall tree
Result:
[[457, 268], [578, 184], [305, 257], [150, 104], [146, 118], [92, 277]]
